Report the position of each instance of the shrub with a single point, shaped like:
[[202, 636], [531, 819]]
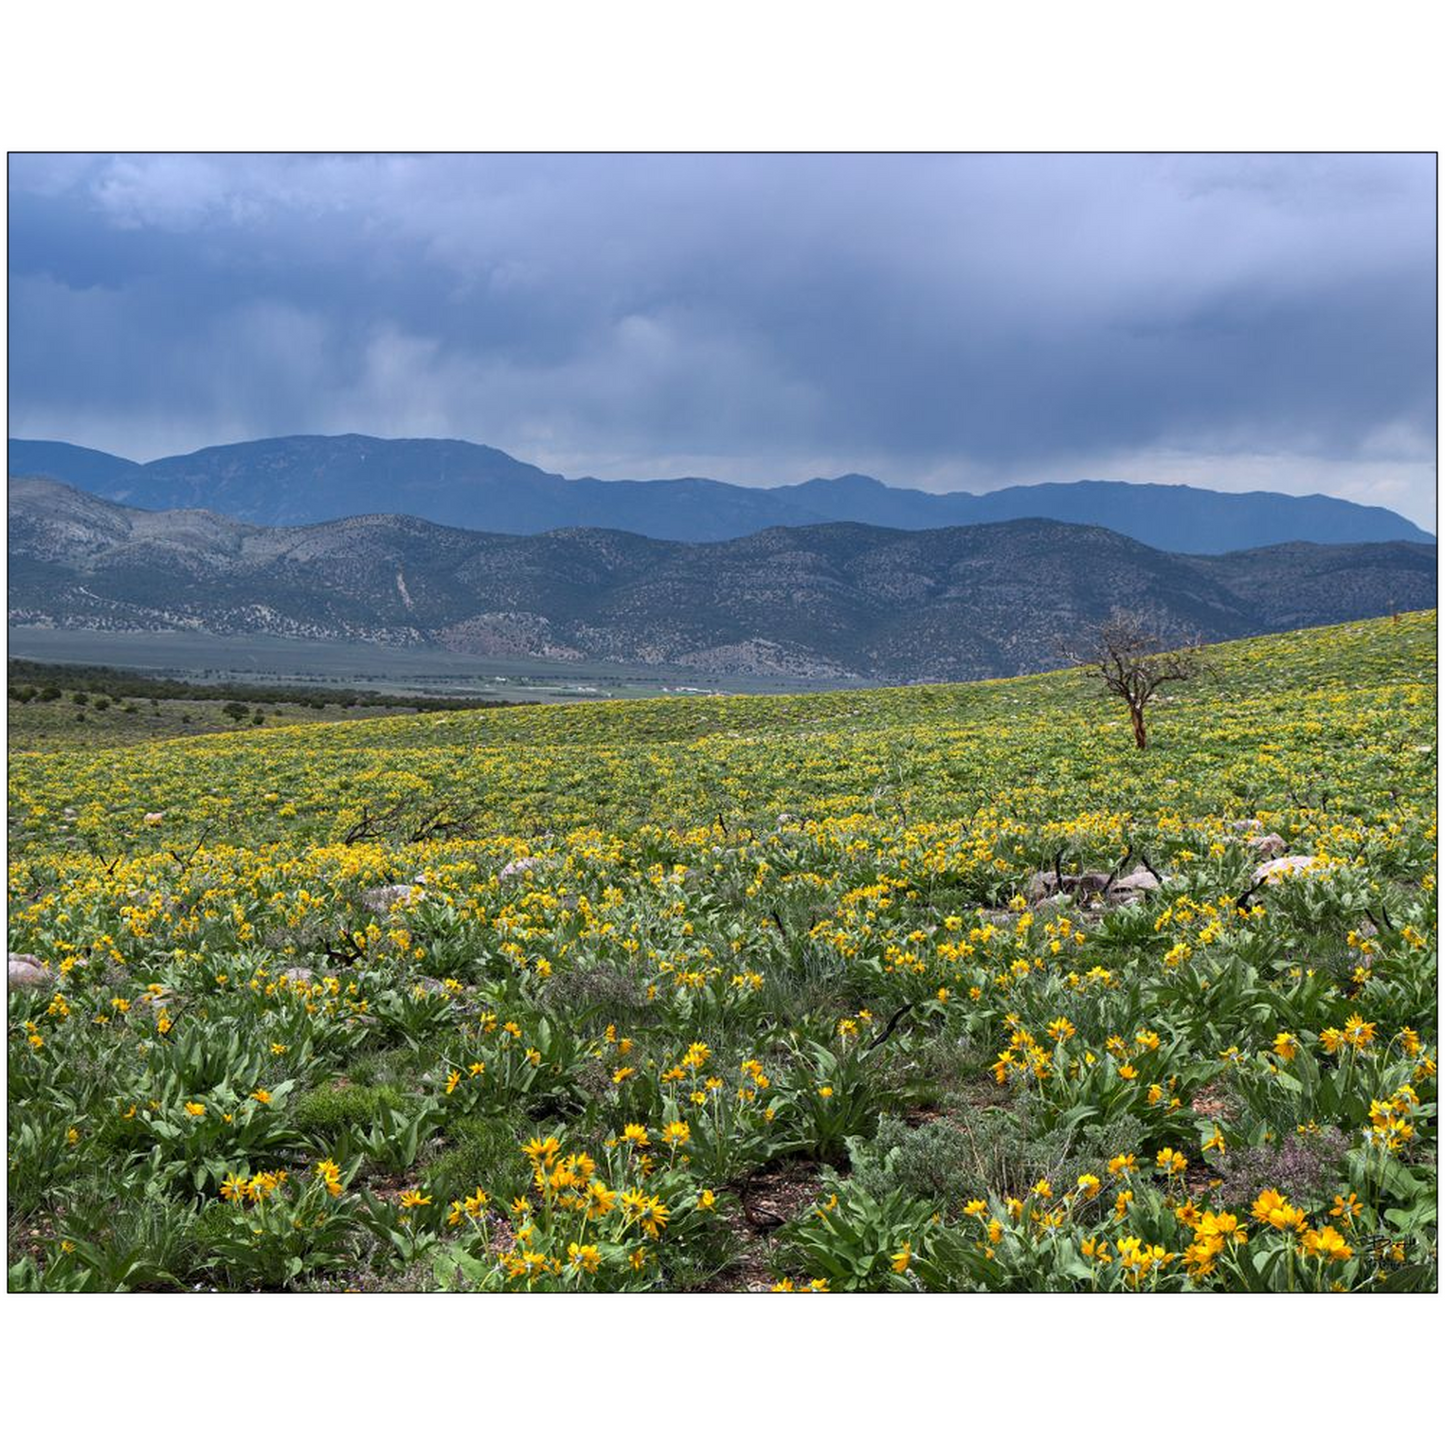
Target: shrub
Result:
[[983, 1152], [483, 1154], [330, 1110]]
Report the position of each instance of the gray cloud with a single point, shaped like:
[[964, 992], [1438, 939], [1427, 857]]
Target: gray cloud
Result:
[[937, 320]]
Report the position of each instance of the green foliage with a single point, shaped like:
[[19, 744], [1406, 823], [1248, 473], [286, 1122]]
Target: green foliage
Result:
[[831, 1095], [483, 1149], [855, 1241], [982, 1152], [271, 1242], [330, 1109]]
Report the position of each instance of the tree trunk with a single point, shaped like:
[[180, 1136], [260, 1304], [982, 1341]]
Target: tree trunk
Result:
[[1136, 716]]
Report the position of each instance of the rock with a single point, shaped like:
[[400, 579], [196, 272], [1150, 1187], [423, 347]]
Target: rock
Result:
[[145, 897], [1287, 867], [297, 975], [27, 971], [1079, 885], [517, 868], [1269, 846], [1040, 886], [1139, 880], [153, 819], [381, 900], [1043, 907]]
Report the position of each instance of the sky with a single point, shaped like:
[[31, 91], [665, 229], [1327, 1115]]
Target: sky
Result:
[[941, 321]]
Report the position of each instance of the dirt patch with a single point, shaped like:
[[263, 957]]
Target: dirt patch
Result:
[[1212, 1101], [771, 1198]]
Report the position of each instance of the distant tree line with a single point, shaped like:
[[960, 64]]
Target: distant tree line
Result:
[[47, 681]]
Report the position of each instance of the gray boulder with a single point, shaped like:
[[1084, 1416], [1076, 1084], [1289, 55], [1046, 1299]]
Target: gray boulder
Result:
[[1139, 881], [1288, 867], [1078, 885], [381, 900], [27, 971], [518, 868]]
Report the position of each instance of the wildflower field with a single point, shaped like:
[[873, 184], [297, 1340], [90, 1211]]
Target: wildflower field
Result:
[[929, 988]]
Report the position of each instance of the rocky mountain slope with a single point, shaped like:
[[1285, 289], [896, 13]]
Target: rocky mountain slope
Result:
[[837, 600], [295, 481]]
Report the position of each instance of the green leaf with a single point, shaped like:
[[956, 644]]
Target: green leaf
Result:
[[1407, 1277]]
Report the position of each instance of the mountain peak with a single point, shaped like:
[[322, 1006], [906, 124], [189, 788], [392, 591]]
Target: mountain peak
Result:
[[287, 481], [849, 481]]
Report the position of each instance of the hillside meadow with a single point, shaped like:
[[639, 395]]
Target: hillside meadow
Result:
[[929, 988]]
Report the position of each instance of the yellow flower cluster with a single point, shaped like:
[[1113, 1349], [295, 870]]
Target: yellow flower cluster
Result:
[[258, 1187]]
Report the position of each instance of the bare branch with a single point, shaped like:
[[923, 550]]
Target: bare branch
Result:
[[1127, 654]]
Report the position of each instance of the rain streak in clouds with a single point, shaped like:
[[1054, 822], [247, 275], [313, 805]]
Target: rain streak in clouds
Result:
[[938, 321]]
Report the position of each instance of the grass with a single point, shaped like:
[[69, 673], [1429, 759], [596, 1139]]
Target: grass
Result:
[[62, 725]]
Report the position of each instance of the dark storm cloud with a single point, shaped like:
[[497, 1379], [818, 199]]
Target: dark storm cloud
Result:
[[976, 320]]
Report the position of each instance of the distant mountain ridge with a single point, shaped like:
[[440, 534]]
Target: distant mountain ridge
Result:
[[298, 481], [837, 600]]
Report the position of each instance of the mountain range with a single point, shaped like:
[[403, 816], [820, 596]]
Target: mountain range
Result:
[[297, 481], [835, 600]]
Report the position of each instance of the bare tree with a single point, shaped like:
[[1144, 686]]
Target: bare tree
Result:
[[1128, 656]]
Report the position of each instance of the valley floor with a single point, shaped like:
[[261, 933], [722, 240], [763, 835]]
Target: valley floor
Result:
[[201, 656]]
